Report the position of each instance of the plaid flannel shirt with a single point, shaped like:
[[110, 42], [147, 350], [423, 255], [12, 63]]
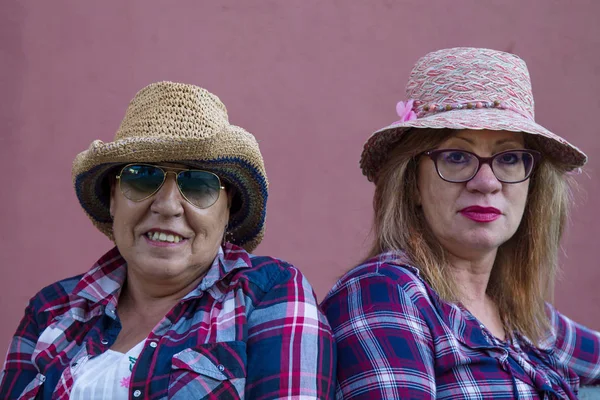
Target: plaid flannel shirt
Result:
[[396, 339], [251, 328]]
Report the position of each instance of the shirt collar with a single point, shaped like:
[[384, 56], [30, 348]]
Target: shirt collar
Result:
[[103, 282], [465, 327], [229, 259]]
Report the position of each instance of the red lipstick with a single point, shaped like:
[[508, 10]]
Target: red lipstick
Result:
[[481, 214]]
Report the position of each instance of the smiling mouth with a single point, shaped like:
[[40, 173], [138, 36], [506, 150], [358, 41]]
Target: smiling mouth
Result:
[[164, 237]]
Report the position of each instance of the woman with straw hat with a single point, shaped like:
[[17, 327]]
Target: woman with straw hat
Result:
[[470, 203], [179, 309]]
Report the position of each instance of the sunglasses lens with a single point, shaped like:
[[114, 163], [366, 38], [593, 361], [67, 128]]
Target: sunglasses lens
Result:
[[200, 188], [140, 181]]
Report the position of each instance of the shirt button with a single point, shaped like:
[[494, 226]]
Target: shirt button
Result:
[[137, 393], [221, 367], [104, 341], [153, 345]]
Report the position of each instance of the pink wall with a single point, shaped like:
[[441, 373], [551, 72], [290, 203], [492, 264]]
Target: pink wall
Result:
[[311, 79]]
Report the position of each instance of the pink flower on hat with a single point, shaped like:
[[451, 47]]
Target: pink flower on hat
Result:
[[405, 111]]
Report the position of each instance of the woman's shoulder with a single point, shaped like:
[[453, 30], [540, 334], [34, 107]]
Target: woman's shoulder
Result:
[[382, 289], [62, 295], [270, 271], [392, 266], [53, 301], [57, 291], [388, 269], [265, 272]]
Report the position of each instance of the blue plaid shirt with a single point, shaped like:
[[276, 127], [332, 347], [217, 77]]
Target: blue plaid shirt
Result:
[[396, 339], [251, 328]]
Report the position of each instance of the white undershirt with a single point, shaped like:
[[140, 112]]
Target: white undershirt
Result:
[[106, 376]]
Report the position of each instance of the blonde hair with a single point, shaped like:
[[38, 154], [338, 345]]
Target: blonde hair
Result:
[[525, 267]]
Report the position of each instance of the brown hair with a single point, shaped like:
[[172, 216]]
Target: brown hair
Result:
[[523, 274]]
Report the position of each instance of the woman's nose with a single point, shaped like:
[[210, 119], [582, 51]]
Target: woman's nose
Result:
[[484, 181], [168, 200]]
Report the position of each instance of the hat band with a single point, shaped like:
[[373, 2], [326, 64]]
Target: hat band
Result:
[[422, 109]]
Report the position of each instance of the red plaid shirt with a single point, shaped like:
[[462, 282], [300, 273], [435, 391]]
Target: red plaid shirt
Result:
[[396, 339], [251, 328]]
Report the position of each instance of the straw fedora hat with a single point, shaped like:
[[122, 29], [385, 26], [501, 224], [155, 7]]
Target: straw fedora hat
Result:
[[468, 88], [175, 122]]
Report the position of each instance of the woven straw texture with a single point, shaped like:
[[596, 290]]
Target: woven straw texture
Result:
[[175, 122], [470, 75]]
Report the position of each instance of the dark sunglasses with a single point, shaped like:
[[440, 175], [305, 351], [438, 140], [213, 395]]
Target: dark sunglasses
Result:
[[141, 181]]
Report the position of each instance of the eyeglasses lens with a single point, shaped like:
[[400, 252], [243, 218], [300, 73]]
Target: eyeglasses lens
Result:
[[510, 166], [200, 188], [140, 181]]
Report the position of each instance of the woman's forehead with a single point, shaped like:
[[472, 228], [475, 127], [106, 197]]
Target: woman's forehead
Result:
[[488, 137]]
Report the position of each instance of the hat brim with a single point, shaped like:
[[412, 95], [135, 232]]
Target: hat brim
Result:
[[232, 154], [553, 146]]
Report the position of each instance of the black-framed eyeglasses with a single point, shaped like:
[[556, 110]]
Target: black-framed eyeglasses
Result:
[[511, 166], [141, 181]]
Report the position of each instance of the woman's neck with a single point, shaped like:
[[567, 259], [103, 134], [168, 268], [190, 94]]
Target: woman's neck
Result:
[[149, 298], [472, 276]]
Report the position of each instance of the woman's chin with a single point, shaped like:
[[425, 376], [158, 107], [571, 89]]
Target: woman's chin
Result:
[[159, 267], [475, 244]]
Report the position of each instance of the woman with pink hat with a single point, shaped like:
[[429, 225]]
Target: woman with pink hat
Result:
[[470, 204]]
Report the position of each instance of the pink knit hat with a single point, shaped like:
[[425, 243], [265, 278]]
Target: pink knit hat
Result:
[[467, 88]]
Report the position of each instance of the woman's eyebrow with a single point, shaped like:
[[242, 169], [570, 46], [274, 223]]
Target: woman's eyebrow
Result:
[[470, 141], [509, 141]]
